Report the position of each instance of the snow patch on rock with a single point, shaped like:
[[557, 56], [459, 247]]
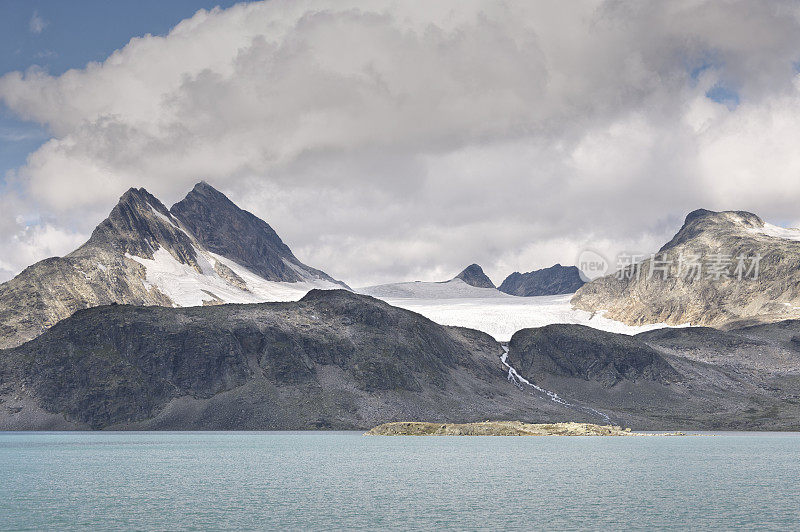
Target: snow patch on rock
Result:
[[164, 218], [187, 287], [778, 232]]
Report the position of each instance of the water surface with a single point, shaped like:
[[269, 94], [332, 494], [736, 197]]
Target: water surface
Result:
[[324, 480]]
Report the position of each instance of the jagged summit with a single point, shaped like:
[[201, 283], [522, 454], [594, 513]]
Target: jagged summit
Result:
[[139, 225], [556, 279], [473, 275], [221, 227]]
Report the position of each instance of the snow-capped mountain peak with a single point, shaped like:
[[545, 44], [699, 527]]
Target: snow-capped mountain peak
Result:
[[205, 250]]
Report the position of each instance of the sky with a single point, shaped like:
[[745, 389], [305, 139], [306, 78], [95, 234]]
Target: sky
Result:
[[388, 141]]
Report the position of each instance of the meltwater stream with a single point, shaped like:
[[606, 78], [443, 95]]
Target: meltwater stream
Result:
[[519, 380]]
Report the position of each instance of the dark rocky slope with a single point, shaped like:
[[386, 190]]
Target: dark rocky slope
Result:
[[345, 361], [694, 378], [333, 360], [581, 352], [554, 280]]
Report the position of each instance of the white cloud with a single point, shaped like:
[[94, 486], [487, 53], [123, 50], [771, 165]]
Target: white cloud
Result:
[[386, 140], [28, 238], [37, 24]]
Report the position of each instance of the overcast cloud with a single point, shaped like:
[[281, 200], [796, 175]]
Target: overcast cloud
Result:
[[392, 141]]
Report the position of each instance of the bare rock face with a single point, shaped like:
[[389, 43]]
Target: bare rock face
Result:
[[473, 275], [139, 225], [749, 273], [141, 233], [554, 280]]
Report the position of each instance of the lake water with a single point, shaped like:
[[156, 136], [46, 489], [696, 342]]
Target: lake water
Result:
[[317, 480]]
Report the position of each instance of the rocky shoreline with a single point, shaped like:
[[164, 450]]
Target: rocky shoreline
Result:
[[503, 428]]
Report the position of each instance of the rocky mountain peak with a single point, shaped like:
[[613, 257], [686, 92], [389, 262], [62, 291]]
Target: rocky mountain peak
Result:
[[204, 193], [710, 222], [723, 217], [473, 275], [745, 270], [223, 228], [135, 202], [139, 225]]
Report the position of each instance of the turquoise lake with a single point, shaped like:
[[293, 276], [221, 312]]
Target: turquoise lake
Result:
[[324, 480]]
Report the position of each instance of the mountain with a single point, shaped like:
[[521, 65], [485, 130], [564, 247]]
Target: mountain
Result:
[[683, 378], [143, 254], [473, 275], [581, 352], [339, 360], [221, 227], [723, 269], [332, 360], [554, 280]]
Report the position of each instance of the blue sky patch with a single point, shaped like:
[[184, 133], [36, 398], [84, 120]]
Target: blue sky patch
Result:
[[724, 95], [57, 35]]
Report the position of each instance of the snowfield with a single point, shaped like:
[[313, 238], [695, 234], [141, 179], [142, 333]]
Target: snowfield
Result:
[[187, 287], [448, 303], [502, 317], [778, 232], [491, 311], [453, 289]]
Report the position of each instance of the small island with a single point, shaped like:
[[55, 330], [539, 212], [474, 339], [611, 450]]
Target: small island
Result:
[[503, 428]]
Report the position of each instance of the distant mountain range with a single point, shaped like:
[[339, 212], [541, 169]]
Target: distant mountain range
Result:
[[203, 251], [724, 269], [472, 282]]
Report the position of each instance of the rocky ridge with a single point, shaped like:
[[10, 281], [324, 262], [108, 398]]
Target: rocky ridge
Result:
[[686, 378], [555, 280], [749, 273]]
